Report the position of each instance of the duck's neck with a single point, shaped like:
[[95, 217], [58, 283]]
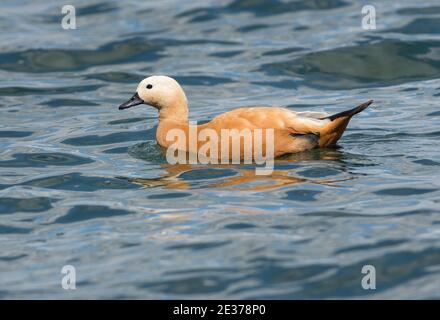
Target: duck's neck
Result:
[[173, 116], [174, 113], [174, 108]]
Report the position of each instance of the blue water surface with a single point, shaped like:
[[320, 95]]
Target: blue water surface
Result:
[[84, 184]]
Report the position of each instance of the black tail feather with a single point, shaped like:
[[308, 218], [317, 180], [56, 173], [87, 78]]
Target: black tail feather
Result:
[[351, 112]]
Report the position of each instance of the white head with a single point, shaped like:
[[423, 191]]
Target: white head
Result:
[[163, 93]]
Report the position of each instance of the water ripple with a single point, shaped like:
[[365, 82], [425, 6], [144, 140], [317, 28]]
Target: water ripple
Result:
[[44, 60], [43, 160], [82, 183], [379, 64]]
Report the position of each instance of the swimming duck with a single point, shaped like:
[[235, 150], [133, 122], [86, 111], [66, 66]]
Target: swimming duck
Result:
[[292, 131]]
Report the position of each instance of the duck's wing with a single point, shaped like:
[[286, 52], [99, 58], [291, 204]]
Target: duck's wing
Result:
[[271, 117], [328, 128], [313, 114]]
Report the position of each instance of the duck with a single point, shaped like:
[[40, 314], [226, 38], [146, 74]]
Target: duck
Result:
[[292, 131]]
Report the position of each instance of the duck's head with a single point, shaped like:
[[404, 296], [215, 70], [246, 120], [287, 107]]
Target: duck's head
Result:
[[161, 92]]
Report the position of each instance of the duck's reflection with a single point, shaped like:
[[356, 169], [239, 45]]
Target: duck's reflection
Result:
[[181, 176]]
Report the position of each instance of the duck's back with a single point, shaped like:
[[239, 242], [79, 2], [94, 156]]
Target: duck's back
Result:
[[276, 118]]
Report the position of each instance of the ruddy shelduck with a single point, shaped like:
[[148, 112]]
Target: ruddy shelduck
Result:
[[293, 131]]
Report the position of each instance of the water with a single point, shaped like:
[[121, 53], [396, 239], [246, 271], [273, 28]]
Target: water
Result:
[[84, 184]]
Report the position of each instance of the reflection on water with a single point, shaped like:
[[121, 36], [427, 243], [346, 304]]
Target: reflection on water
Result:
[[187, 176], [82, 183]]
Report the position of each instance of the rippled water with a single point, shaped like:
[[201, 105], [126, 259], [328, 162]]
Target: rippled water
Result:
[[84, 184]]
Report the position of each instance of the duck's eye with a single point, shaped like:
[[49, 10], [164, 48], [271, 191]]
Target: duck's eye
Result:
[[149, 86]]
